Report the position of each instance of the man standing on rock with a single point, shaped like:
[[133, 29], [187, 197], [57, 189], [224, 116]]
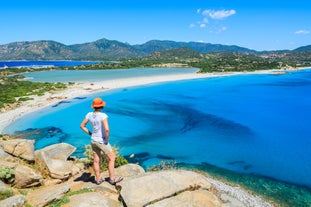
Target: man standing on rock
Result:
[[99, 140]]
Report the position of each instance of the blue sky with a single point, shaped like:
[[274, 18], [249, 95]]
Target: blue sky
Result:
[[259, 25]]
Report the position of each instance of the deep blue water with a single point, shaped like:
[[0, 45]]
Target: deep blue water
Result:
[[251, 124], [40, 64]]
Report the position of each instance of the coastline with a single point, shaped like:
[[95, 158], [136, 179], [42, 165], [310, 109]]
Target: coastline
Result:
[[87, 88]]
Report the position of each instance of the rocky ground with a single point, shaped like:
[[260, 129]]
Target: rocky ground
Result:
[[50, 176]]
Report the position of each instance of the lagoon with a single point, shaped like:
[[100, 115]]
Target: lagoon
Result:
[[102, 75]]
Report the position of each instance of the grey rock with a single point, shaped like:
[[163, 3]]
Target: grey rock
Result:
[[3, 187], [3, 154], [22, 148], [14, 201], [93, 199], [45, 195], [158, 185], [129, 170], [24, 176], [58, 151], [198, 198], [53, 159]]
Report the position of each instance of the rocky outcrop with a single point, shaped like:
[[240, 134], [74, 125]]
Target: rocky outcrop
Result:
[[25, 176], [53, 160], [139, 188], [19, 148]]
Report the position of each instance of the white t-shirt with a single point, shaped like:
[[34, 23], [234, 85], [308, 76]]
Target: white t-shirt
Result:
[[98, 130]]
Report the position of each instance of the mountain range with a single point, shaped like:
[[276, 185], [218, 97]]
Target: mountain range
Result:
[[105, 49]]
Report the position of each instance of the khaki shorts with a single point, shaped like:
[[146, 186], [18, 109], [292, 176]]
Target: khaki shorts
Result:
[[97, 147]]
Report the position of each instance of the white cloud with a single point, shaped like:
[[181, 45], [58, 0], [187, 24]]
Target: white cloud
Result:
[[302, 32], [220, 14], [209, 14], [222, 29], [192, 25]]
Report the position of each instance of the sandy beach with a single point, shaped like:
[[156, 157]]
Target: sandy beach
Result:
[[88, 88]]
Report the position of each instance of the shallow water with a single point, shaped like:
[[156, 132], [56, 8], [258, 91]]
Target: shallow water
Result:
[[102, 75], [254, 125]]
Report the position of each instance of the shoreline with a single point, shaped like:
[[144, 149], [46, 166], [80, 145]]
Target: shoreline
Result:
[[88, 88]]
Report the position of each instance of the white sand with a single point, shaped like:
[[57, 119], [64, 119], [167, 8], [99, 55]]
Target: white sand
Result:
[[87, 88]]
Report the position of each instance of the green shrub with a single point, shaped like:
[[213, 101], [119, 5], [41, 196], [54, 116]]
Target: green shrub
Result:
[[25, 99], [65, 199], [5, 194], [7, 174], [164, 165]]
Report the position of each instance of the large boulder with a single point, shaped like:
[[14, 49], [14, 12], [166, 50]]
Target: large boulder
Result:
[[53, 160], [59, 151], [128, 170], [22, 148], [4, 155], [25, 176], [155, 186]]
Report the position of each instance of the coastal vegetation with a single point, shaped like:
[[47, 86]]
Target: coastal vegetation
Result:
[[14, 90]]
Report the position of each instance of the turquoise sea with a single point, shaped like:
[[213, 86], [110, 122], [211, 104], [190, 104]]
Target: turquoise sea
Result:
[[250, 129]]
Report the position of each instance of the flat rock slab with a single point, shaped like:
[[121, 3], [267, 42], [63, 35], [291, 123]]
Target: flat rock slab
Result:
[[45, 195], [93, 199], [198, 198], [156, 186]]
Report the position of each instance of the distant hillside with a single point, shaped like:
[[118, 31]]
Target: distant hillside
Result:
[[37, 50], [303, 49], [158, 45], [104, 49], [182, 53]]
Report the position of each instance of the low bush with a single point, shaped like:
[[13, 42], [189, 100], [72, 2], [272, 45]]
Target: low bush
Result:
[[120, 160], [7, 174]]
